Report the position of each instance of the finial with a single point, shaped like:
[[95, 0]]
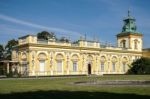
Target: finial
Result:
[[85, 36], [81, 37], [129, 12]]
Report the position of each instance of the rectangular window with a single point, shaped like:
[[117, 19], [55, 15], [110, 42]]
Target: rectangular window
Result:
[[124, 67], [24, 68], [102, 67], [59, 66], [113, 67], [75, 66], [42, 66]]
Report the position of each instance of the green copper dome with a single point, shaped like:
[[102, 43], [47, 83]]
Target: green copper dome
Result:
[[129, 24]]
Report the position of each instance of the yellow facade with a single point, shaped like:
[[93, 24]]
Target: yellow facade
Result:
[[50, 58]]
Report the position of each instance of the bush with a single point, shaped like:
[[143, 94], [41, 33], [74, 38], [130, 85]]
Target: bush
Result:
[[140, 66]]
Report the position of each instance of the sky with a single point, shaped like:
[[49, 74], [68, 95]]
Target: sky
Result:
[[100, 19]]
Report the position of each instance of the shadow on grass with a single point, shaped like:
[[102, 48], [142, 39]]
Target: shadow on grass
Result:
[[53, 94]]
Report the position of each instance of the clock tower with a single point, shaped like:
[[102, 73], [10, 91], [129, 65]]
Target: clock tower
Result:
[[129, 38]]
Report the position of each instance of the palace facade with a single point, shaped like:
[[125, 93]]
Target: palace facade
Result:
[[49, 57]]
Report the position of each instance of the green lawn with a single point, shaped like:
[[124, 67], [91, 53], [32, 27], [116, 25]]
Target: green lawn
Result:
[[60, 88]]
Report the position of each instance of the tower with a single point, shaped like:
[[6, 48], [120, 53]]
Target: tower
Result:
[[129, 38]]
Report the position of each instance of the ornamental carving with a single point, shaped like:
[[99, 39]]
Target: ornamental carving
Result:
[[114, 59], [42, 56], [59, 57], [24, 56], [75, 57], [124, 60], [103, 59]]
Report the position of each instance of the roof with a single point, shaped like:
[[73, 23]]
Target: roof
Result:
[[146, 49], [26, 36], [128, 33]]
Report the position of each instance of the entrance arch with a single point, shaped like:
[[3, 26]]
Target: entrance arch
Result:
[[89, 68], [89, 64]]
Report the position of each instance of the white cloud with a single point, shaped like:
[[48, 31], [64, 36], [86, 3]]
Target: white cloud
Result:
[[26, 23]]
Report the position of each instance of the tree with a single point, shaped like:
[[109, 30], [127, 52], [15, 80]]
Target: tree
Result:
[[140, 66], [46, 35], [8, 48], [1, 52], [75, 42], [63, 39]]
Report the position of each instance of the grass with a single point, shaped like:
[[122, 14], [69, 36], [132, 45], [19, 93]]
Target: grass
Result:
[[60, 88]]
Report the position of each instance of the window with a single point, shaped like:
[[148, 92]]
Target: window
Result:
[[59, 66], [135, 44], [124, 67], [113, 67], [102, 67], [74, 66], [24, 69], [124, 44], [42, 65]]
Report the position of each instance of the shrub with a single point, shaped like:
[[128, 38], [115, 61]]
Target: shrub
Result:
[[140, 66]]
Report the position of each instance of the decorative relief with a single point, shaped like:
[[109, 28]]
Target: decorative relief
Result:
[[75, 57], [51, 58], [103, 59], [42, 56], [114, 59], [59, 57], [124, 60], [24, 56]]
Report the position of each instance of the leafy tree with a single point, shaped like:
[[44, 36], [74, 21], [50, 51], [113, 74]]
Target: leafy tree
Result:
[[140, 66], [1, 51], [46, 35], [8, 48], [63, 39], [75, 42]]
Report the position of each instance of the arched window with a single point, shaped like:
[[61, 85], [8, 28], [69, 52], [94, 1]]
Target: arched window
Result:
[[123, 43], [114, 60], [59, 59], [59, 65], [136, 44], [103, 59], [123, 67], [124, 64], [75, 66], [75, 59], [102, 66], [24, 64], [113, 67], [42, 59]]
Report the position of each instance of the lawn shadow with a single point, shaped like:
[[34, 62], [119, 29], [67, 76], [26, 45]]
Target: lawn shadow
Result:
[[54, 94]]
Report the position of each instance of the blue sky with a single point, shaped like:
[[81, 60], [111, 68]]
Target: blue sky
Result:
[[72, 18]]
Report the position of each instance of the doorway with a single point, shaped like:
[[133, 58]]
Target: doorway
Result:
[[89, 68]]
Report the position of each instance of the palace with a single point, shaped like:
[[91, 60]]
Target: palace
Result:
[[49, 57]]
